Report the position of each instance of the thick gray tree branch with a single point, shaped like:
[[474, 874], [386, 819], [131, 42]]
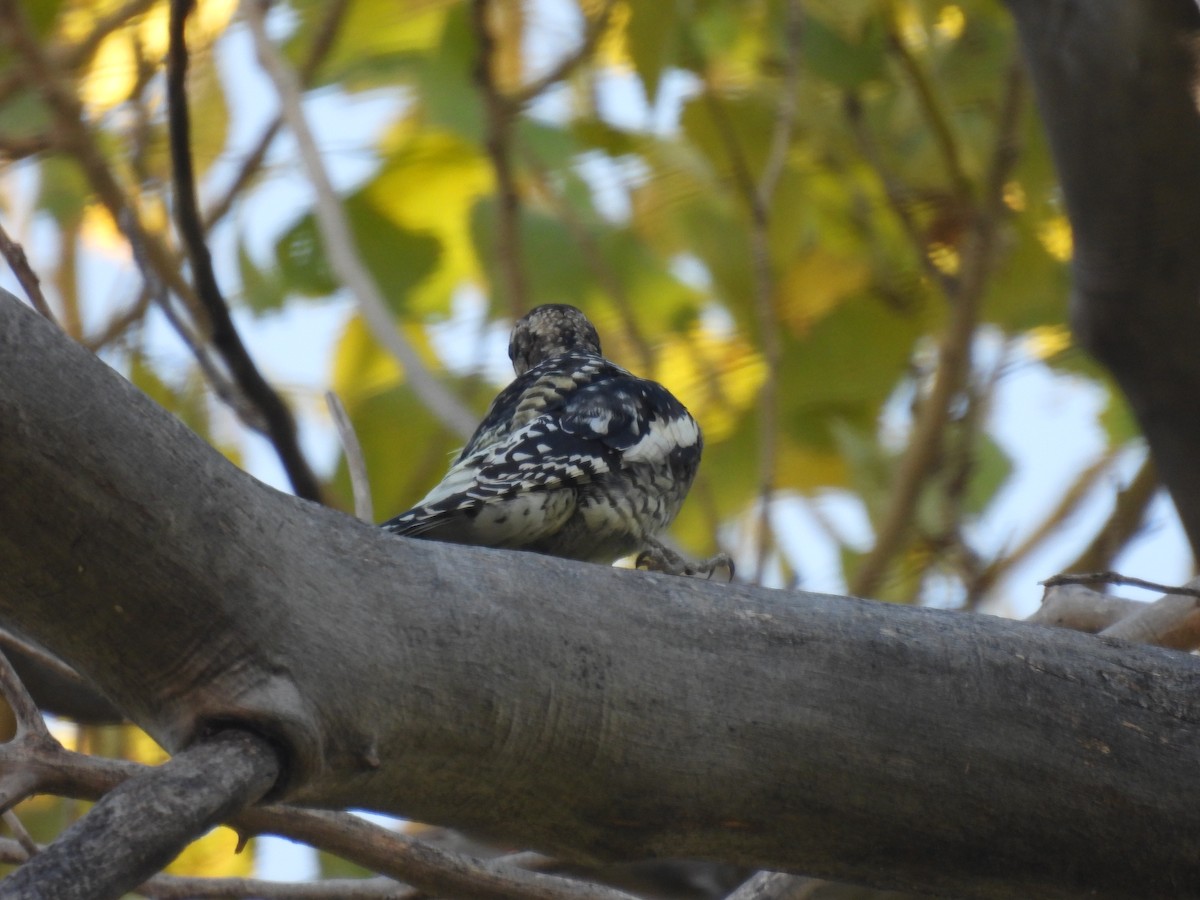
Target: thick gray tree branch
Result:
[[1116, 85], [586, 711], [139, 827]]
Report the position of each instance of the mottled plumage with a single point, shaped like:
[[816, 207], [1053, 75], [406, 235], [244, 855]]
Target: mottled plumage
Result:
[[576, 458]]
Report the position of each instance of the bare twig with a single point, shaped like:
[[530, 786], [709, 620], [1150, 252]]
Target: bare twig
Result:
[[339, 246], [1118, 578], [930, 105], [420, 864], [592, 32], [896, 192], [116, 326], [157, 291], [356, 464], [1068, 504], [17, 261], [14, 147], [326, 34], [498, 117], [1128, 515], [25, 710], [278, 423], [17, 827], [32, 736], [593, 256], [171, 887]]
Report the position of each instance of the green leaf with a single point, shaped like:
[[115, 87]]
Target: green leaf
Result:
[[398, 259], [653, 40], [848, 62], [262, 290]]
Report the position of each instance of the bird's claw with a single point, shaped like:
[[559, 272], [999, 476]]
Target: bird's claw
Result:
[[660, 558]]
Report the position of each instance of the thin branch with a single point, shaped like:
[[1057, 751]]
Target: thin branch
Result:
[[1126, 520], [339, 246], [19, 263], [22, 836], [55, 770], [326, 36], [1118, 578], [38, 71], [1172, 622], [1077, 492], [436, 871], [13, 147], [593, 256], [279, 425], [173, 887], [140, 826], [249, 414], [954, 355], [786, 108], [116, 326], [932, 108], [897, 194], [25, 710], [498, 119], [757, 195], [356, 464], [593, 30]]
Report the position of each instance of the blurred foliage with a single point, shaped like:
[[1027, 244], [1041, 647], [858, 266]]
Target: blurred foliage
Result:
[[706, 180]]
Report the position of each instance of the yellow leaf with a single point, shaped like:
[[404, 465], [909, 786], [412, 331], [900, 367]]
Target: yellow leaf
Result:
[[814, 285], [612, 49], [1055, 235], [431, 184], [1047, 341], [950, 23], [361, 368], [717, 377], [112, 73]]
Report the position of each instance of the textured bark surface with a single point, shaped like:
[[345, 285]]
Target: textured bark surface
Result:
[[139, 827], [1115, 83], [571, 708]]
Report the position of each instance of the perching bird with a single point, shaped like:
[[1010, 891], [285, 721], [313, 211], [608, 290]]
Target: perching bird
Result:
[[576, 458]]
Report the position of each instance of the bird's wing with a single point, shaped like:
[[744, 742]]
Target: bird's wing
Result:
[[593, 430]]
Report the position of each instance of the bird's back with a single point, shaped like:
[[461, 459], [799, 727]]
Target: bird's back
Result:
[[576, 458]]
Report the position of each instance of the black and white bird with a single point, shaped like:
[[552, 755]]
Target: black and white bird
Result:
[[576, 458]]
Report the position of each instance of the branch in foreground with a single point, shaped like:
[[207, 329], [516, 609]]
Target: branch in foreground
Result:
[[48, 768], [142, 825], [580, 710]]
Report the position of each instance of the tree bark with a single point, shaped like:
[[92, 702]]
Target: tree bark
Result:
[[582, 710], [1116, 82], [139, 827]]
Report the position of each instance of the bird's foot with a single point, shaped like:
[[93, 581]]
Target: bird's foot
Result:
[[660, 558]]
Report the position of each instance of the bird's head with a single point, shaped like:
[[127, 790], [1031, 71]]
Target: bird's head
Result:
[[549, 331]]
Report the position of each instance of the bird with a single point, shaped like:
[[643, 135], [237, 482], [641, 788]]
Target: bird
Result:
[[576, 457]]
